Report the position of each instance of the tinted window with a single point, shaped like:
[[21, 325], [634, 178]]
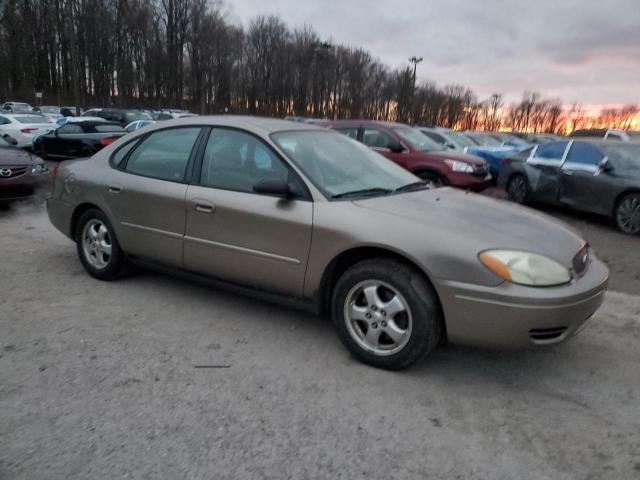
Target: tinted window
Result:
[[108, 128], [69, 129], [584, 153], [351, 132], [235, 160], [120, 154], [375, 138], [551, 151], [4, 121], [164, 154]]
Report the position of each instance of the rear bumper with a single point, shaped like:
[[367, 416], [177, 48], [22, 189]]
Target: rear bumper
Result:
[[60, 215], [469, 182], [515, 316]]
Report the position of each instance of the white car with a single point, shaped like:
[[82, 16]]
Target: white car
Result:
[[24, 127], [63, 120], [16, 107]]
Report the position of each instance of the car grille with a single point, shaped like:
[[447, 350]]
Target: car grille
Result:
[[12, 172], [480, 170], [581, 260], [546, 334]]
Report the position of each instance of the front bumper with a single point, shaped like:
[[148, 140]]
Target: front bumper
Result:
[[468, 181], [22, 186], [515, 316]]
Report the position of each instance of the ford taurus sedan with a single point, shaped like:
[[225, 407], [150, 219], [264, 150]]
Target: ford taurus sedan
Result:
[[308, 216]]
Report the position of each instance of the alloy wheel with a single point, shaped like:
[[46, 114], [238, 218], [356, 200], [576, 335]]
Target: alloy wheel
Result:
[[96, 243], [378, 317], [628, 214]]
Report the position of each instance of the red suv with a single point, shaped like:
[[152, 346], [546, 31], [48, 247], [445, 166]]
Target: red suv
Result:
[[413, 150]]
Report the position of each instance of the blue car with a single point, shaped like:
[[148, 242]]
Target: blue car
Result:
[[493, 147]]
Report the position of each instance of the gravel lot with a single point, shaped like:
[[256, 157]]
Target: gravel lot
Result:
[[99, 381]]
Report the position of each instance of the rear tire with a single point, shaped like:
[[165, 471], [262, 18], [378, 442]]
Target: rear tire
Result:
[[98, 247], [627, 214], [518, 189], [386, 313]]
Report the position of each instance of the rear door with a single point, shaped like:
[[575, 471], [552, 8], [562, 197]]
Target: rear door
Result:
[[584, 186], [239, 236], [543, 171], [146, 193]]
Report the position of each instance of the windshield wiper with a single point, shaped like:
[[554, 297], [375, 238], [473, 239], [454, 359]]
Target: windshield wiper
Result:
[[413, 186], [364, 192]]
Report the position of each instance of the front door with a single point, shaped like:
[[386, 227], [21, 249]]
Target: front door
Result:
[[584, 186], [146, 194], [239, 236], [544, 171]]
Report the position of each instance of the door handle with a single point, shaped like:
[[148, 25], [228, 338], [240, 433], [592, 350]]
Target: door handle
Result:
[[203, 207], [567, 172], [115, 188]]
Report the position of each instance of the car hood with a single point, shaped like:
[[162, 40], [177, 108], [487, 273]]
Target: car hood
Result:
[[15, 156], [481, 222], [463, 157]]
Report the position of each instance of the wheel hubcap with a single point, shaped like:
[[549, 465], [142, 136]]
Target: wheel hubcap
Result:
[[96, 243], [628, 215], [378, 317]]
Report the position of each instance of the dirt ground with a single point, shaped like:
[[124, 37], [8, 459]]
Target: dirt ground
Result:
[[155, 377]]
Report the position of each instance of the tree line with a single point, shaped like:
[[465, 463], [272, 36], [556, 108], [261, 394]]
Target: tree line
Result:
[[186, 54]]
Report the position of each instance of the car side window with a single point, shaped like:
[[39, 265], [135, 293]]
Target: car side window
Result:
[[435, 137], [69, 128], [550, 151], [4, 121], [375, 138], [613, 136], [164, 154], [121, 153], [583, 154], [351, 132], [235, 160]]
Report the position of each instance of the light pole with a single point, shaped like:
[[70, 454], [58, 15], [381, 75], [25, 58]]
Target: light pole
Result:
[[415, 61]]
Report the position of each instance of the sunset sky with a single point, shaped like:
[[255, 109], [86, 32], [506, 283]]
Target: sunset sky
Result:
[[578, 50]]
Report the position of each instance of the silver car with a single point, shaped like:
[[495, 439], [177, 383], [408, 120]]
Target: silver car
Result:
[[308, 215]]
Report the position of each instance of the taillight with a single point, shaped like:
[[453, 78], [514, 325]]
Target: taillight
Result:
[[28, 130], [107, 141]]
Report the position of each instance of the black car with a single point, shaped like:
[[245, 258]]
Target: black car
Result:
[[22, 175], [77, 139], [123, 117], [594, 176]]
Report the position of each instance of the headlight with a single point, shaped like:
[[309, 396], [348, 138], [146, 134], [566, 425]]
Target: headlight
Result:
[[39, 168], [458, 166], [525, 268]]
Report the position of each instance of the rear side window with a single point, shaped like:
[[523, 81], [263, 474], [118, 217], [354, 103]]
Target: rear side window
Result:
[[164, 154], [351, 132], [4, 121], [551, 151], [584, 154], [119, 156], [69, 129], [108, 128]]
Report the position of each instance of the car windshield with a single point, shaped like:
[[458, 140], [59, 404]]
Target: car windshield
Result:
[[133, 116], [622, 155], [338, 165], [459, 138], [484, 139], [31, 119], [417, 139]]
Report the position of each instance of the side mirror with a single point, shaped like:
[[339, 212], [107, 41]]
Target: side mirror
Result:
[[395, 146], [605, 165], [272, 186], [450, 146]]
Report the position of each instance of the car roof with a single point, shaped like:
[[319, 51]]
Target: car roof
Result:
[[258, 125], [363, 122]]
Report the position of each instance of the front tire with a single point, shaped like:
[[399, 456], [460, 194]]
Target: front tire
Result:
[[386, 313], [518, 189], [432, 179], [98, 247], [627, 214]]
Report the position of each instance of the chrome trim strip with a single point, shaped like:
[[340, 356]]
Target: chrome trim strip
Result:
[[235, 248], [529, 306], [151, 230]]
